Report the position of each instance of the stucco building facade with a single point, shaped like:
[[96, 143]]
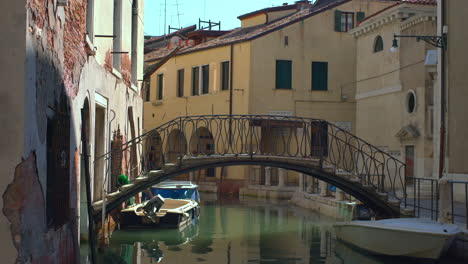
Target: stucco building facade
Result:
[[296, 60], [68, 67], [394, 97]]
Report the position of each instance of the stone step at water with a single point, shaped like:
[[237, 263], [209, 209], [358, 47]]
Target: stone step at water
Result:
[[383, 196]]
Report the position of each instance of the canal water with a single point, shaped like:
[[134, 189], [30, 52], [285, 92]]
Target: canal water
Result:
[[241, 231]]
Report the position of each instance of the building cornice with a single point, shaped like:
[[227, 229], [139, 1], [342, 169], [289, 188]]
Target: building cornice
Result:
[[406, 15]]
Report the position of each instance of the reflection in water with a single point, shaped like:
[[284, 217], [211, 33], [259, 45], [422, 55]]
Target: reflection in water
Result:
[[247, 231]]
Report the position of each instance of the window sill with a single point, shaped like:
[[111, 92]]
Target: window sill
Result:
[[157, 102], [116, 73]]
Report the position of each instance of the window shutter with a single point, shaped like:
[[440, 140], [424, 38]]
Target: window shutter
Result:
[[319, 76], [360, 16], [283, 74], [337, 20]]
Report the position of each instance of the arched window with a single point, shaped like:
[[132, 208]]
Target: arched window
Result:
[[378, 44]]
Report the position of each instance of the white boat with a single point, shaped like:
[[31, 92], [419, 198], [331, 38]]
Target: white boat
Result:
[[408, 237], [174, 204]]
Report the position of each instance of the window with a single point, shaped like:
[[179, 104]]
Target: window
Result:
[[283, 74], [286, 41], [378, 44], [411, 102], [225, 75], [195, 80], [205, 79], [319, 138], [319, 76], [344, 21], [180, 83], [160, 86], [147, 88]]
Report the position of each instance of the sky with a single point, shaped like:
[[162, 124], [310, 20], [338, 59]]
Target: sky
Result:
[[191, 10]]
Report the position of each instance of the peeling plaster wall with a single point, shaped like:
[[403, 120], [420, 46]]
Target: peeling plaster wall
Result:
[[48, 66]]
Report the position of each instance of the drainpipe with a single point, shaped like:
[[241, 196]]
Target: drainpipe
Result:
[[442, 96], [230, 92]]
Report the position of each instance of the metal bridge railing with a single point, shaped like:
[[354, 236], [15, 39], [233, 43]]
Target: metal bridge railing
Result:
[[298, 137]]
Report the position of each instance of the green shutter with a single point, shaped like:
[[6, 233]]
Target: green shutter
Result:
[[360, 16], [195, 77], [206, 79], [319, 76], [283, 74], [160, 86], [338, 20]]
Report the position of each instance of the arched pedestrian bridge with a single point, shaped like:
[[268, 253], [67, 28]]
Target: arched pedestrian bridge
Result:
[[311, 146]]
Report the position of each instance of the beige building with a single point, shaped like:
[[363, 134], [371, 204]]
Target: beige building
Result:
[[69, 65], [394, 89], [296, 60]]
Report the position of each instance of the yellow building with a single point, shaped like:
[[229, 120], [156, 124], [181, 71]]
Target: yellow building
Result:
[[295, 60], [394, 90]]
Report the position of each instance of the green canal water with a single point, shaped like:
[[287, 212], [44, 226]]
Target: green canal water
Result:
[[234, 231]]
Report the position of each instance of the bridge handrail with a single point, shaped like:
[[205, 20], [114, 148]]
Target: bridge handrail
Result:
[[374, 160]]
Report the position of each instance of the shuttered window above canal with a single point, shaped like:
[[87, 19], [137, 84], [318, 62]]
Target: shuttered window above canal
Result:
[[319, 76], [205, 79], [195, 80], [283, 74]]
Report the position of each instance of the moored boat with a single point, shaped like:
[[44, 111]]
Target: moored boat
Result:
[[408, 237], [174, 204]]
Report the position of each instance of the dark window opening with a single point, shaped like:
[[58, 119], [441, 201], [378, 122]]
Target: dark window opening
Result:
[[160, 86], [319, 76], [225, 75], [180, 83], [195, 80], [146, 85], [58, 167], [411, 102], [211, 172], [205, 79], [286, 41], [378, 44], [283, 74]]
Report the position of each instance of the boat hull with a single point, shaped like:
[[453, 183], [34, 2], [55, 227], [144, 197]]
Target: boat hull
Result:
[[394, 241]]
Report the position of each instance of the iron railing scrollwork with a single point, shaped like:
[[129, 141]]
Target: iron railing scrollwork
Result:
[[298, 137]]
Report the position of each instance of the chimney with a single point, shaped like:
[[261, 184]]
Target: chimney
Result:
[[301, 5]]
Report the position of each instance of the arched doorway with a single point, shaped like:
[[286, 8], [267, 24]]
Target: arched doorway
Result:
[[176, 146], [202, 143]]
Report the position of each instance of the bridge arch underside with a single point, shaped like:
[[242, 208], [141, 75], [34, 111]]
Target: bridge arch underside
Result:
[[363, 194]]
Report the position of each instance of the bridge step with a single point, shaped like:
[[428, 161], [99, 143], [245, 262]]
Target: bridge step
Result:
[[155, 173], [127, 187], [141, 179], [169, 166], [407, 211], [394, 202]]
